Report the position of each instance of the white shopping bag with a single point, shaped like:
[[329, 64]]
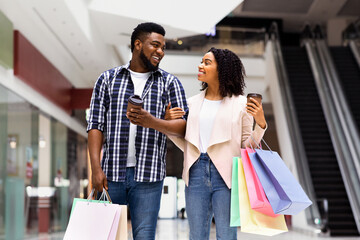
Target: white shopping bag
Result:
[[96, 219], [93, 220]]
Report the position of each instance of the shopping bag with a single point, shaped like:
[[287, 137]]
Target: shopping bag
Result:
[[257, 197], [97, 219], [285, 183], [84, 200], [93, 220], [122, 233], [234, 206], [122, 228], [283, 191], [253, 221]]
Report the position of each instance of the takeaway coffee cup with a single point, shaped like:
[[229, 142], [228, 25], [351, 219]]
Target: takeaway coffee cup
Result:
[[256, 96], [135, 101]]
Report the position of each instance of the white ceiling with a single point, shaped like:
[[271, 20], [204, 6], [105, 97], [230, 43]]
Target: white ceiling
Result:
[[82, 38]]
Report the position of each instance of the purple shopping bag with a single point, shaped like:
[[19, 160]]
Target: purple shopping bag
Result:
[[283, 191], [285, 183]]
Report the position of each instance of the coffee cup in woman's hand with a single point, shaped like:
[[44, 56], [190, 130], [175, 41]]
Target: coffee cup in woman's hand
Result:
[[255, 96]]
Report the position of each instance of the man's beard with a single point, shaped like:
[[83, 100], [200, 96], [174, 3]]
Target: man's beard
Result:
[[148, 65]]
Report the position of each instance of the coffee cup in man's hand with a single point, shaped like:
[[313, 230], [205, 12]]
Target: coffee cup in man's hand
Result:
[[135, 101]]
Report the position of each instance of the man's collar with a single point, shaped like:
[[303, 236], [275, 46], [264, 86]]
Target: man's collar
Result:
[[127, 67]]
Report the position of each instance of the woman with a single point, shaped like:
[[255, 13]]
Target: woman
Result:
[[219, 124]]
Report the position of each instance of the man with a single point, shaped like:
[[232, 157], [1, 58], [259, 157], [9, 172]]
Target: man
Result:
[[134, 145]]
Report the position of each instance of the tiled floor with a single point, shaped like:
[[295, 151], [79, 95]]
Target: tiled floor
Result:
[[177, 229]]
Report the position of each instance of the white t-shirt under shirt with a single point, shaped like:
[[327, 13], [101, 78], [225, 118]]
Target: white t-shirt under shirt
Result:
[[207, 117], [139, 80]]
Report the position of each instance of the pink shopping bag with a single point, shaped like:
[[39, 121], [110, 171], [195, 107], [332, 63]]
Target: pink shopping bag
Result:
[[253, 221], [257, 196], [93, 221]]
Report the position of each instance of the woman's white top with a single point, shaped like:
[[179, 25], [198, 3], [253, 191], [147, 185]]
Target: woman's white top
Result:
[[207, 116], [139, 81]]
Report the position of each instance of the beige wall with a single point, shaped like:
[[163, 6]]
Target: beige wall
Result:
[[335, 27], [44, 151]]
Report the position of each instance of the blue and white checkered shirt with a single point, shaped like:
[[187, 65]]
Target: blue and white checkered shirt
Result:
[[108, 114]]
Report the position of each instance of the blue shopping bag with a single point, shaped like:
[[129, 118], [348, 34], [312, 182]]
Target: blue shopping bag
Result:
[[283, 191]]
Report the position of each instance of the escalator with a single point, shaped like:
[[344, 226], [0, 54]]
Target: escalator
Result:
[[325, 173], [349, 74]]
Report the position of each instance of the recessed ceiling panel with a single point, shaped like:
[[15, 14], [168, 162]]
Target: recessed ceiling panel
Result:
[[181, 16], [351, 8], [277, 6]]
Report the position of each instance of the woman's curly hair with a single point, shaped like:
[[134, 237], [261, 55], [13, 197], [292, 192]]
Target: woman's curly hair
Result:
[[231, 73]]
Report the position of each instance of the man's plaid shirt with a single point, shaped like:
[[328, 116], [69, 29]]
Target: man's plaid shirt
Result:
[[108, 114]]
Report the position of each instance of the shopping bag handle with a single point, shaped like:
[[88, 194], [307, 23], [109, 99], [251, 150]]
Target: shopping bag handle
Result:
[[262, 139], [104, 196], [266, 145]]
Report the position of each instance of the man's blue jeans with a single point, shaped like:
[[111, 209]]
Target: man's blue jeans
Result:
[[208, 195], [144, 203]]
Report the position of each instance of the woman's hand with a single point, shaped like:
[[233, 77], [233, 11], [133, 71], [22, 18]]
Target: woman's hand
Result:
[[173, 113], [256, 110]]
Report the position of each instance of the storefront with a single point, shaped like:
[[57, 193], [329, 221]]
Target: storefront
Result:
[[43, 166], [43, 148]]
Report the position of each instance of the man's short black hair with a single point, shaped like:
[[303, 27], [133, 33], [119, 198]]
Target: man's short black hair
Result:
[[144, 29]]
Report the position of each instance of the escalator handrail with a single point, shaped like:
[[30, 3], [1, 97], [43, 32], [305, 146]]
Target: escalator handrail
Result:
[[341, 104], [350, 165], [351, 37], [333, 103], [303, 170], [355, 50]]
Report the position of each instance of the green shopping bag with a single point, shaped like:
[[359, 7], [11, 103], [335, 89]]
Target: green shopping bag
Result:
[[84, 200], [90, 200], [234, 207]]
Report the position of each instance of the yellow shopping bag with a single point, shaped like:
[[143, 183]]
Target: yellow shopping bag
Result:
[[251, 220]]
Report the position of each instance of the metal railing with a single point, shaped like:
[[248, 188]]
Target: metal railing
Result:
[[351, 37], [342, 127], [312, 213]]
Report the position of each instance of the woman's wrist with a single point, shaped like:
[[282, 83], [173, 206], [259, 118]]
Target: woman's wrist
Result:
[[262, 124]]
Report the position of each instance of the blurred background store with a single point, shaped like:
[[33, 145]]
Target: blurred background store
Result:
[[302, 56]]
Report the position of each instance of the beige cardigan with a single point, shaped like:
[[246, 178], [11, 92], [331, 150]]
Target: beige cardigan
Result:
[[232, 131]]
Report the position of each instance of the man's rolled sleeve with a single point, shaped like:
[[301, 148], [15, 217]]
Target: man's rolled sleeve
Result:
[[177, 97], [98, 105]]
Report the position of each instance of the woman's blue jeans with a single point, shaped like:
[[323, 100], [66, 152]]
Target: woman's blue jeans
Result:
[[206, 196], [144, 203]]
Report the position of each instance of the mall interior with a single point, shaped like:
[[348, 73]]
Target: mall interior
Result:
[[302, 56]]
